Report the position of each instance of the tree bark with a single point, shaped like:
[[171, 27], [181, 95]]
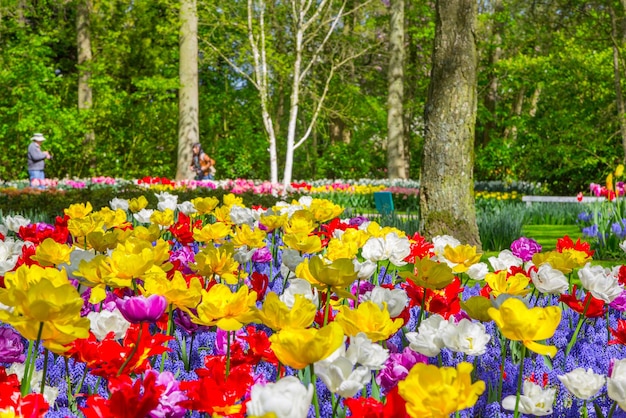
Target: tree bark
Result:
[[396, 161], [85, 93], [447, 175], [619, 96], [188, 127]]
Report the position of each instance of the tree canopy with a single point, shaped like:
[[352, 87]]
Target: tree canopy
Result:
[[547, 108]]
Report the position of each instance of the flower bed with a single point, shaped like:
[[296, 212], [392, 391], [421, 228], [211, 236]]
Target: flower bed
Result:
[[211, 307]]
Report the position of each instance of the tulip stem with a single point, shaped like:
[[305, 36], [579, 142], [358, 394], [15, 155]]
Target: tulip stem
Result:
[[422, 306], [30, 363], [228, 354], [132, 351], [520, 378], [316, 401], [585, 413], [168, 332], [45, 369], [334, 400], [612, 410], [327, 307], [578, 326]]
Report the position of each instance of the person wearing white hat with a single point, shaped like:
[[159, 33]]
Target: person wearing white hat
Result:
[[37, 160]]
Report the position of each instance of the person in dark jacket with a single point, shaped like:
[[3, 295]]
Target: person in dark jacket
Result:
[[37, 160], [202, 164]]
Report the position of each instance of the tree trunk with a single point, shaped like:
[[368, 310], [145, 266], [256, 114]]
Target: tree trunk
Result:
[[85, 93], [491, 99], [188, 128], [396, 161], [447, 176], [619, 96]]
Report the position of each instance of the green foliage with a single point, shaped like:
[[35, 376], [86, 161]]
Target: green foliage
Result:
[[500, 226]]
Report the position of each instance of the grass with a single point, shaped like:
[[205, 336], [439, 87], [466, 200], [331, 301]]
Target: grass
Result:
[[546, 235]]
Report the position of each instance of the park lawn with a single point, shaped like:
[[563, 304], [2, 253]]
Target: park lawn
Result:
[[547, 235]]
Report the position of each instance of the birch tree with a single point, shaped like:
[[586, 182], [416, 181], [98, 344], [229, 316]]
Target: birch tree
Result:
[[311, 29]]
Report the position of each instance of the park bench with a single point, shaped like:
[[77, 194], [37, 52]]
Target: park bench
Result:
[[560, 199]]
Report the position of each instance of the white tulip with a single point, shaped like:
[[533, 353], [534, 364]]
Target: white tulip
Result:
[[143, 216], [427, 340], [14, 223], [187, 208], [391, 247], [534, 400], [287, 398], [50, 393], [440, 242], [240, 215], [299, 287], [623, 246], [478, 271], [10, 251], [366, 353], [583, 384], [341, 377], [616, 383], [291, 258], [76, 256], [600, 282], [117, 203], [505, 260], [466, 337], [105, 321], [549, 280], [396, 299], [365, 269]]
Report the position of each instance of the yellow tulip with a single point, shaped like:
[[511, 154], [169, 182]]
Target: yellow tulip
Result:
[[162, 218], [298, 347], [43, 305], [324, 210], [211, 261], [26, 275], [276, 315], [222, 214], [150, 234], [433, 392], [205, 205], [102, 241], [137, 203], [176, 291], [301, 222], [368, 318], [303, 242], [245, 235], [339, 274], [78, 210], [518, 323], [80, 227], [375, 230], [215, 232], [609, 182], [51, 253], [272, 222], [514, 285], [565, 261], [227, 310], [619, 170], [231, 199], [464, 256], [111, 218], [337, 248]]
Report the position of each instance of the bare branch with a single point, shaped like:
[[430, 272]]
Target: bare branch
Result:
[[231, 63], [322, 44], [316, 113]]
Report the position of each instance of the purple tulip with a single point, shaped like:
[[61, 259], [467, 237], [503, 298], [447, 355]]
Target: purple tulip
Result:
[[397, 368], [11, 347], [525, 248], [170, 398], [262, 255], [138, 309]]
